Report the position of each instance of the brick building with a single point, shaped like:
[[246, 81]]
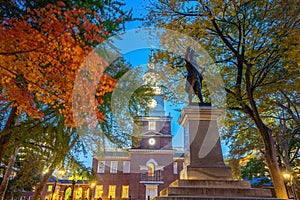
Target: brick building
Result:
[[142, 170], [146, 168]]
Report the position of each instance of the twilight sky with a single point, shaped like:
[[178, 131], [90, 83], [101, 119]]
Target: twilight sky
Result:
[[140, 57]]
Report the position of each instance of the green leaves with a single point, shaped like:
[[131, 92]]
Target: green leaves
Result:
[[255, 45]]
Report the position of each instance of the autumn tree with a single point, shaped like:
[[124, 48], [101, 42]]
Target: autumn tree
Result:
[[42, 49], [59, 145], [254, 43], [282, 115], [41, 53]]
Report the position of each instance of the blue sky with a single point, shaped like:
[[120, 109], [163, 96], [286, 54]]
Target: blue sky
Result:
[[139, 57], [138, 7]]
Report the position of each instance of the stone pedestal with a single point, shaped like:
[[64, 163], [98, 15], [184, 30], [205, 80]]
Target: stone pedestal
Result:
[[203, 153], [205, 176]]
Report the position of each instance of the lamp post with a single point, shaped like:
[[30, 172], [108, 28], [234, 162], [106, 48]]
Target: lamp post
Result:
[[288, 178], [92, 187], [60, 172], [73, 187]]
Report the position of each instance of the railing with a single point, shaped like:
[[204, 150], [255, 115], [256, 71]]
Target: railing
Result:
[[154, 177]]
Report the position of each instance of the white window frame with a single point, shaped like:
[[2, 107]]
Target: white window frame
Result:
[[113, 167], [126, 166], [175, 168], [101, 166], [152, 125]]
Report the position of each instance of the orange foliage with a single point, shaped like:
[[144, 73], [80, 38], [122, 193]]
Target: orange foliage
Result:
[[40, 55]]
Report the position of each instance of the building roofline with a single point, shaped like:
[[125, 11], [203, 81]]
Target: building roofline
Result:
[[155, 151]]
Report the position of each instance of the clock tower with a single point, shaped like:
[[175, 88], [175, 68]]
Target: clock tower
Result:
[[155, 131], [151, 163]]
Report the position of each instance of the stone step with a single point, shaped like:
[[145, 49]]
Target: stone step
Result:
[[212, 198], [227, 183], [215, 191]]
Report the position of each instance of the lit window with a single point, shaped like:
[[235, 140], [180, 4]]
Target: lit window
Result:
[[126, 167], [101, 167], [98, 191], [175, 168], [113, 166], [68, 193], [78, 193], [125, 191], [151, 169], [49, 188], [112, 191], [152, 125]]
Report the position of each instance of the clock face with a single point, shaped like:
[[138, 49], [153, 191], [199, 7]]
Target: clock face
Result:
[[151, 141]]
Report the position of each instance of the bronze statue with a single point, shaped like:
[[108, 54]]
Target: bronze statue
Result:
[[194, 77]]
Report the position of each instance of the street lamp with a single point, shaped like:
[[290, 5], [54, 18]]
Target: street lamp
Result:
[[92, 186], [60, 172], [288, 178]]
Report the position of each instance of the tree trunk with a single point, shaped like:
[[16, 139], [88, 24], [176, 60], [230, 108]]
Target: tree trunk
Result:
[[4, 134], [270, 153], [41, 185], [266, 135], [276, 175], [4, 142], [270, 156], [8, 171]]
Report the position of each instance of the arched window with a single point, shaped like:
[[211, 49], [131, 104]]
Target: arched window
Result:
[[79, 193], [68, 193], [151, 169]]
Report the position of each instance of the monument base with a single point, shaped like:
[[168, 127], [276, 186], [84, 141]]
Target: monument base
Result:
[[206, 173], [199, 104]]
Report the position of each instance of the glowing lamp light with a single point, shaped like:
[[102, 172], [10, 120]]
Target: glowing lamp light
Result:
[[93, 184], [286, 176], [61, 172]]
